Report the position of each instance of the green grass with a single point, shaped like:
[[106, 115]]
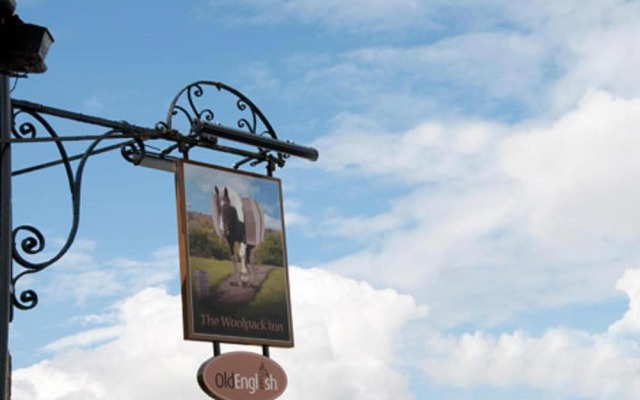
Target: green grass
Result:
[[270, 297], [217, 270], [272, 289], [269, 303]]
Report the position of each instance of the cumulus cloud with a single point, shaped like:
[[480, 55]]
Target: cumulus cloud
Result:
[[561, 361], [577, 177], [80, 277], [601, 58], [343, 328], [144, 352], [629, 324], [519, 217]]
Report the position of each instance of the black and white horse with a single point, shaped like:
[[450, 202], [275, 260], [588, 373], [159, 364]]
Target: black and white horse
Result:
[[229, 222]]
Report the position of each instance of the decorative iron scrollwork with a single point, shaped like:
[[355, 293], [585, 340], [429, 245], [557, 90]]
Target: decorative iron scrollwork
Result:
[[133, 151], [29, 241], [34, 242], [191, 105]]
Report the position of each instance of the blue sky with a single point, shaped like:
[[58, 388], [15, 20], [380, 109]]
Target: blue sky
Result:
[[469, 231]]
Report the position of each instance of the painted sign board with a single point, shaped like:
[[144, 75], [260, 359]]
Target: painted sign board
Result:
[[242, 375], [233, 259]]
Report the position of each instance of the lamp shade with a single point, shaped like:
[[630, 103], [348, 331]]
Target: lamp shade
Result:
[[25, 48]]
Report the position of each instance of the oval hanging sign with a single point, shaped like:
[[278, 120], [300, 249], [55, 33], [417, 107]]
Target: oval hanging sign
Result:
[[242, 375]]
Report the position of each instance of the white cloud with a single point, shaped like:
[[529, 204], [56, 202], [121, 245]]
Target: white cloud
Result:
[[604, 58], [376, 15], [561, 361], [629, 325], [502, 63], [499, 58], [429, 152], [578, 177], [86, 338], [584, 45], [343, 328], [542, 217], [79, 277], [145, 353], [476, 72], [533, 215], [293, 214], [95, 103]]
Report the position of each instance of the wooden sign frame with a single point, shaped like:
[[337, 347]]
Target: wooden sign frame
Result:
[[224, 216]]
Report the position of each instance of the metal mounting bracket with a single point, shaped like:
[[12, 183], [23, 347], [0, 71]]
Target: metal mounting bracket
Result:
[[253, 140]]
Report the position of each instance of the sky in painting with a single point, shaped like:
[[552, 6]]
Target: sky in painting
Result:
[[200, 183], [470, 230]]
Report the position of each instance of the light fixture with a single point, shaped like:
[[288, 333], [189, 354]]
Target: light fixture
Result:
[[24, 46], [7, 7], [159, 162]]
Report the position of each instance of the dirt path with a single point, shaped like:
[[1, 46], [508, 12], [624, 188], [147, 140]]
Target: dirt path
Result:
[[232, 295]]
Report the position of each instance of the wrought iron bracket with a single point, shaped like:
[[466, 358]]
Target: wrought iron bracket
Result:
[[253, 140]]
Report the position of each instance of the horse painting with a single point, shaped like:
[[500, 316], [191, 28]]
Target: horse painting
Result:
[[239, 221]]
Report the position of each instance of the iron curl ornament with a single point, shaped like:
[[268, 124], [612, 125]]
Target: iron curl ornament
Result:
[[192, 106], [251, 138], [28, 240]]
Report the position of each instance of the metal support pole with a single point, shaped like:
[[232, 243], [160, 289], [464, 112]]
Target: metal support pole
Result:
[[5, 235]]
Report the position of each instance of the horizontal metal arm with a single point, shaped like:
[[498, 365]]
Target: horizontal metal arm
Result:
[[236, 135], [144, 133], [89, 119], [69, 159]]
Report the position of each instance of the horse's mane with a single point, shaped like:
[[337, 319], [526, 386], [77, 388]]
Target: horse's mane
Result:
[[236, 202]]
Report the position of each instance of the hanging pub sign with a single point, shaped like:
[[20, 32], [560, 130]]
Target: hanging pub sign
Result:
[[242, 375], [233, 259]]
